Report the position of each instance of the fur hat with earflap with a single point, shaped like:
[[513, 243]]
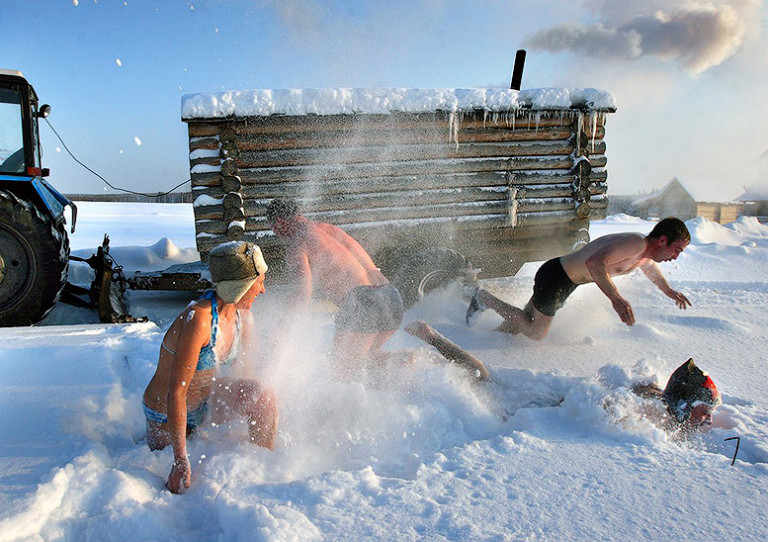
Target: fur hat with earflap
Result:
[[234, 268]]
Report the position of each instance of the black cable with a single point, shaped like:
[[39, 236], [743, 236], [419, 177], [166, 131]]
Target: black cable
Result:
[[157, 195]]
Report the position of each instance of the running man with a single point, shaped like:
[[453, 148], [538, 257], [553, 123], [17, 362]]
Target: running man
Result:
[[598, 261]]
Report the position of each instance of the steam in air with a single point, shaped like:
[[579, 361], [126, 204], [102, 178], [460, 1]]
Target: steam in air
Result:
[[695, 34]]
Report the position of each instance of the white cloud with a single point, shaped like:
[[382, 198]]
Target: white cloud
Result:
[[695, 34]]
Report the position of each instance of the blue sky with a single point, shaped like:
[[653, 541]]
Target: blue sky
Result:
[[689, 76]]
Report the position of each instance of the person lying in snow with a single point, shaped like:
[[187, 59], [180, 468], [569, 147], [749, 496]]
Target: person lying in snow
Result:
[[598, 261], [210, 332], [323, 257], [689, 398]]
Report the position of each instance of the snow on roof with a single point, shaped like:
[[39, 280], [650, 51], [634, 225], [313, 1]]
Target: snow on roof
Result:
[[336, 101], [757, 192], [701, 190]]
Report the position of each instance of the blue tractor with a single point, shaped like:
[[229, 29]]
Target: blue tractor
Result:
[[34, 246]]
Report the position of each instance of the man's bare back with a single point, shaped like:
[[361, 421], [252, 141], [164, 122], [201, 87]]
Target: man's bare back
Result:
[[335, 261]]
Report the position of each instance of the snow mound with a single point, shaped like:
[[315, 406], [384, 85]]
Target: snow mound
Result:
[[622, 218], [156, 257], [746, 231]]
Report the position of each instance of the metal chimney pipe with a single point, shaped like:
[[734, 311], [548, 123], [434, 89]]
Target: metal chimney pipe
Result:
[[517, 71]]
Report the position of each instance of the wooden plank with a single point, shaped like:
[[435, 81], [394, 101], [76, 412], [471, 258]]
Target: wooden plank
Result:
[[402, 153], [548, 198], [214, 192], [211, 226], [529, 178], [297, 182], [335, 187], [206, 160], [489, 180], [387, 138], [535, 213], [556, 191], [203, 143], [437, 121], [371, 138], [209, 212], [390, 214], [203, 129], [209, 178], [399, 169]]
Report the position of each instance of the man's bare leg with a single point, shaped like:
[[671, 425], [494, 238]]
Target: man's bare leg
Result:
[[349, 353], [450, 350], [529, 321], [353, 352]]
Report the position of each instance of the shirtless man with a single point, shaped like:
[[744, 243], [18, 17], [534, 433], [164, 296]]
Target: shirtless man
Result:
[[323, 257], [598, 262]]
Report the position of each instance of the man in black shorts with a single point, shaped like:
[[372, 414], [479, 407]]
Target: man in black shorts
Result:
[[598, 261]]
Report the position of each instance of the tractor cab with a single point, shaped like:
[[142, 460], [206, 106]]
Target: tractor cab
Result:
[[20, 150]]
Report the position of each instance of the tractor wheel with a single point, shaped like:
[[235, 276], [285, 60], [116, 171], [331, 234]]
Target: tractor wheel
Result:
[[430, 269], [34, 253]]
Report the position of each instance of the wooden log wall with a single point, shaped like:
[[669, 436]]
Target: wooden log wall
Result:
[[481, 183]]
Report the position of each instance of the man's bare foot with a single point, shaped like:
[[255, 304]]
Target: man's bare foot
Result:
[[476, 305], [420, 329]]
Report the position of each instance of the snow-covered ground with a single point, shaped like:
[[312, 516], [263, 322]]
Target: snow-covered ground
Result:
[[420, 453]]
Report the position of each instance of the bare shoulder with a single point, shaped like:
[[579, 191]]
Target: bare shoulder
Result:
[[624, 243], [196, 315]]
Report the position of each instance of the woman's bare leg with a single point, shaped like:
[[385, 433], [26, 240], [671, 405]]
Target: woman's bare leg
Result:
[[249, 399]]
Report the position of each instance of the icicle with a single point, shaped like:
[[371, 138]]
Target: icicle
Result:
[[593, 118], [579, 128], [454, 120], [512, 208]]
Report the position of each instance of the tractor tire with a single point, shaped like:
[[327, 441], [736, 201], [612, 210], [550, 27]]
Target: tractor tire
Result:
[[34, 254], [429, 269]]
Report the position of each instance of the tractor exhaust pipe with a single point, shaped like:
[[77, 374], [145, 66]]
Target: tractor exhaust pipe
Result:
[[517, 71]]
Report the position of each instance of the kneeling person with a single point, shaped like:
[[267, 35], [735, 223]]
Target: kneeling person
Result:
[[210, 332]]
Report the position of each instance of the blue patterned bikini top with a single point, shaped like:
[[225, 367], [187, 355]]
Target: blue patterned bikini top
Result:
[[208, 358]]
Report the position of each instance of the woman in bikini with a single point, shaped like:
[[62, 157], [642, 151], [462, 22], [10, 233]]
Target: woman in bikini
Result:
[[209, 333]]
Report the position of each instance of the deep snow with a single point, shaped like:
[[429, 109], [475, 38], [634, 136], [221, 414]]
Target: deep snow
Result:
[[418, 453]]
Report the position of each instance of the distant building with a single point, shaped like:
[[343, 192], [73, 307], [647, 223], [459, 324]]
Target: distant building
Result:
[[686, 200], [755, 201]]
